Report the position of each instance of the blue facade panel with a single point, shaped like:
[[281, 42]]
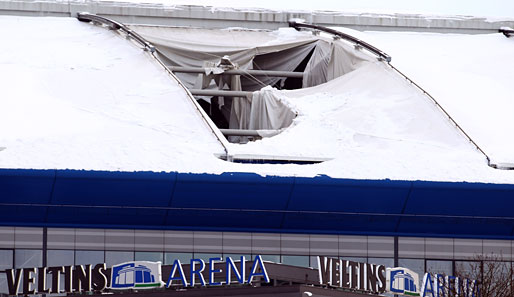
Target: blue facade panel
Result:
[[249, 202], [349, 196], [105, 217], [26, 186], [22, 215], [101, 188], [232, 191], [456, 227], [77, 215], [461, 199]]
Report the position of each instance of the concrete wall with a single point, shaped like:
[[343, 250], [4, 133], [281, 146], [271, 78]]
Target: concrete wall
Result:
[[199, 16]]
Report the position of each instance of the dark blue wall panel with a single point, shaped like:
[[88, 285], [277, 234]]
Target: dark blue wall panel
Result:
[[461, 199], [26, 186], [77, 215], [344, 195], [113, 188], [232, 190], [23, 214], [245, 201], [451, 226]]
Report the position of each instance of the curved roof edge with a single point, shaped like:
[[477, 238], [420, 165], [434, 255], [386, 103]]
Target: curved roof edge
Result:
[[253, 203]]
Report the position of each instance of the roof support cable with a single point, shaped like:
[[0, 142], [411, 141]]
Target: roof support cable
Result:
[[88, 17]]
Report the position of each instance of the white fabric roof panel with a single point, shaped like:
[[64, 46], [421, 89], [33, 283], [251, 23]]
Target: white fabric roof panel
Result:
[[471, 76], [77, 96]]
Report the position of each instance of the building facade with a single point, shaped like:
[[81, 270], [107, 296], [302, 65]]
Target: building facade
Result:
[[25, 247]]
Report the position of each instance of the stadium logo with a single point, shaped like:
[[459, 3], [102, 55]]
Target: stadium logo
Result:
[[136, 274], [402, 281]]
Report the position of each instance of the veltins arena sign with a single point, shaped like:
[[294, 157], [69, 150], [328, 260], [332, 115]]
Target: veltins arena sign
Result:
[[131, 275], [373, 278]]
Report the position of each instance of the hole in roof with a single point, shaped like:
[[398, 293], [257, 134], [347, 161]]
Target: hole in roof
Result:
[[236, 75]]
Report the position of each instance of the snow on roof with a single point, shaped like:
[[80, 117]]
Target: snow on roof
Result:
[[471, 76], [78, 96]]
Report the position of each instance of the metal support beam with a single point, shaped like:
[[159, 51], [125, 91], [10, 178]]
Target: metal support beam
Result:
[[224, 93], [271, 73], [240, 132]]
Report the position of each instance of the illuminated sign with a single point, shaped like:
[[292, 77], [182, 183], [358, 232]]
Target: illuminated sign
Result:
[[76, 279], [352, 275], [136, 275], [402, 281], [448, 286], [371, 278], [132, 275], [199, 269]]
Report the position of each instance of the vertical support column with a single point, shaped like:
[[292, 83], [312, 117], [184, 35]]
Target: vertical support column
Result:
[[396, 261], [395, 255], [45, 248], [45, 245]]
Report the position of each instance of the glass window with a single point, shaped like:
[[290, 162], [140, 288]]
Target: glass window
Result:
[[270, 258], [497, 277], [237, 257], [3, 283], [302, 261], [89, 257], [387, 262], [28, 258], [149, 256], [49, 284], [184, 258], [440, 267], [60, 257], [354, 259], [497, 270], [468, 269], [314, 262], [6, 259], [206, 257], [114, 258], [416, 265]]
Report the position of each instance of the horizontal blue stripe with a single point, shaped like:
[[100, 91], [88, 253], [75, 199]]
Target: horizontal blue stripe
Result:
[[250, 202]]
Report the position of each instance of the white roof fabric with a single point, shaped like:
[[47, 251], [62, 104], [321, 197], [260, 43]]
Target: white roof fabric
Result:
[[79, 96], [75, 95], [471, 76]]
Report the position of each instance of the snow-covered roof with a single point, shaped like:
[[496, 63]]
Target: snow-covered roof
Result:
[[471, 76], [78, 96], [81, 97]]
